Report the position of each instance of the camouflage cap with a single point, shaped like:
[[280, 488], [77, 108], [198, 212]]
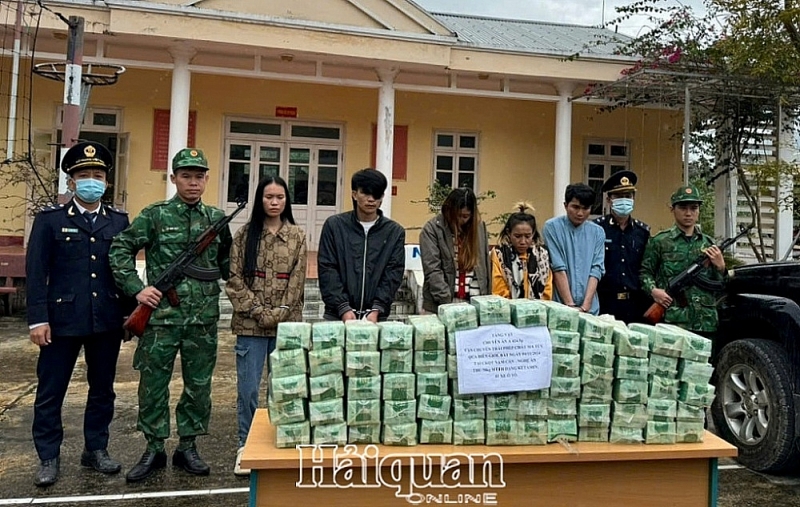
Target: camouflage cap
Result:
[[686, 193], [189, 158]]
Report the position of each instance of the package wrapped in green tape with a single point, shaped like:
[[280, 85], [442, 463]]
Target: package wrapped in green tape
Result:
[[433, 407], [561, 407], [562, 429], [402, 435], [596, 353], [287, 412], [626, 435], [631, 343], [593, 433], [452, 366], [430, 361], [699, 395], [492, 309], [501, 432], [696, 372], [689, 432], [628, 415], [660, 432], [645, 329], [566, 365], [631, 368], [362, 363], [696, 348], [432, 383], [326, 412], [458, 317], [663, 366], [539, 394], [469, 408], [288, 436], [288, 362], [397, 361], [565, 342], [561, 317], [324, 361], [662, 410], [288, 388], [630, 391], [361, 335], [594, 415], [595, 329], [592, 373], [396, 335], [293, 335], [690, 413], [327, 334], [436, 432], [330, 434], [365, 388], [663, 388], [363, 412], [598, 391], [502, 406], [326, 387], [667, 342], [532, 432], [469, 432], [561, 387], [528, 313], [399, 412], [399, 386], [364, 434], [429, 332], [531, 410]]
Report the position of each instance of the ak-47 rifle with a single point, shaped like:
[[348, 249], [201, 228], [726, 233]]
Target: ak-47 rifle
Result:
[[687, 278], [177, 270]]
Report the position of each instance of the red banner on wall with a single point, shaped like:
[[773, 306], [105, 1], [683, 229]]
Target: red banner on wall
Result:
[[160, 160]]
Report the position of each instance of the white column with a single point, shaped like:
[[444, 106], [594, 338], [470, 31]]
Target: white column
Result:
[[563, 146], [179, 106], [384, 144], [788, 152]]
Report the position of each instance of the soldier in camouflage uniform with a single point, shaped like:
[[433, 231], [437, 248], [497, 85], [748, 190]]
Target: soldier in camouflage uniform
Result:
[[672, 251], [164, 229]]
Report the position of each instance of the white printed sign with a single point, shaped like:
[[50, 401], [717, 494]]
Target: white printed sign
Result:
[[503, 358]]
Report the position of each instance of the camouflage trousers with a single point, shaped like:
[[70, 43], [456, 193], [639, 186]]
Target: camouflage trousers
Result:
[[155, 359]]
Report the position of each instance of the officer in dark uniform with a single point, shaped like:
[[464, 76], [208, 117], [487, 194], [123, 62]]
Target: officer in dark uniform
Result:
[[73, 303], [619, 290]]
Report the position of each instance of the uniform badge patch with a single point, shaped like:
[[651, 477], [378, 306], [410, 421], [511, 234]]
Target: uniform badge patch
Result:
[[68, 229]]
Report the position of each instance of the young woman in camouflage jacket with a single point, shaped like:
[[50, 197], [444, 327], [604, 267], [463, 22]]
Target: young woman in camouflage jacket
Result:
[[268, 274]]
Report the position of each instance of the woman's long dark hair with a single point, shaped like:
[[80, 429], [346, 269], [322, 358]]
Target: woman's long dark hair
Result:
[[256, 225], [458, 199]]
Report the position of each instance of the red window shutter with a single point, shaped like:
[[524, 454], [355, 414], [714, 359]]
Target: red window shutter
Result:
[[400, 152]]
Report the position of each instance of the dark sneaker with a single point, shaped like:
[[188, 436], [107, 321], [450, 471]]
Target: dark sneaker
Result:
[[190, 461], [47, 474], [100, 461], [150, 462]]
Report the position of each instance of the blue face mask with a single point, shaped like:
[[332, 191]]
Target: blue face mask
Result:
[[622, 206], [89, 191]]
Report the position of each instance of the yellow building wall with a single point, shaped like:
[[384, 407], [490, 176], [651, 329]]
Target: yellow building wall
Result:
[[516, 139]]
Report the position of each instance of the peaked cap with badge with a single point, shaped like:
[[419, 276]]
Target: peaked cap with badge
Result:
[[622, 181], [87, 155], [686, 193], [189, 158]]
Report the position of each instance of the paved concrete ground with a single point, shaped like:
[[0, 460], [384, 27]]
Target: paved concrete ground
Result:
[[738, 487]]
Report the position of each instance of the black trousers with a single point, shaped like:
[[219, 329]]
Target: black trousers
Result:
[[627, 310], [54, 370]]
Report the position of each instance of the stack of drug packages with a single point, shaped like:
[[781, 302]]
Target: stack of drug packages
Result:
[[430, 366], [288, 392], [678, 390], [363, 374], [631, 367], [399, 408], [326, 383], [597, 378]]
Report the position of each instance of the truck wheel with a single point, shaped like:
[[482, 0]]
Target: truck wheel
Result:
[[753, 408]]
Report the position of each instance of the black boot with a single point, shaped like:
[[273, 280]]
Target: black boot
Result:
[[47, 474], [150, 462], [190, 461], [100, 461]]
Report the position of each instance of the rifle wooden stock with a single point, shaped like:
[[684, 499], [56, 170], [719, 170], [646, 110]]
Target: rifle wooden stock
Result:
[[138, 320], [655, 314]]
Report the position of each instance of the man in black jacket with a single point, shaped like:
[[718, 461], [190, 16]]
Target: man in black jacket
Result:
[[361, 255]]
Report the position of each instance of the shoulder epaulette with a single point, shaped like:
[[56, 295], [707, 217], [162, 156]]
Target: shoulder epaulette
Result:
[[51, 208], [600, 220], [641, 224], [116, 210]]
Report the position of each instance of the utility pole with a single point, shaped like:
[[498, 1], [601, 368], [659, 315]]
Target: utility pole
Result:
[[71, 124]]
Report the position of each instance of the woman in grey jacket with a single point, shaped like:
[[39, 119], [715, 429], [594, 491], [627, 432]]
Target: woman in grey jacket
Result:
[[455, 252]]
